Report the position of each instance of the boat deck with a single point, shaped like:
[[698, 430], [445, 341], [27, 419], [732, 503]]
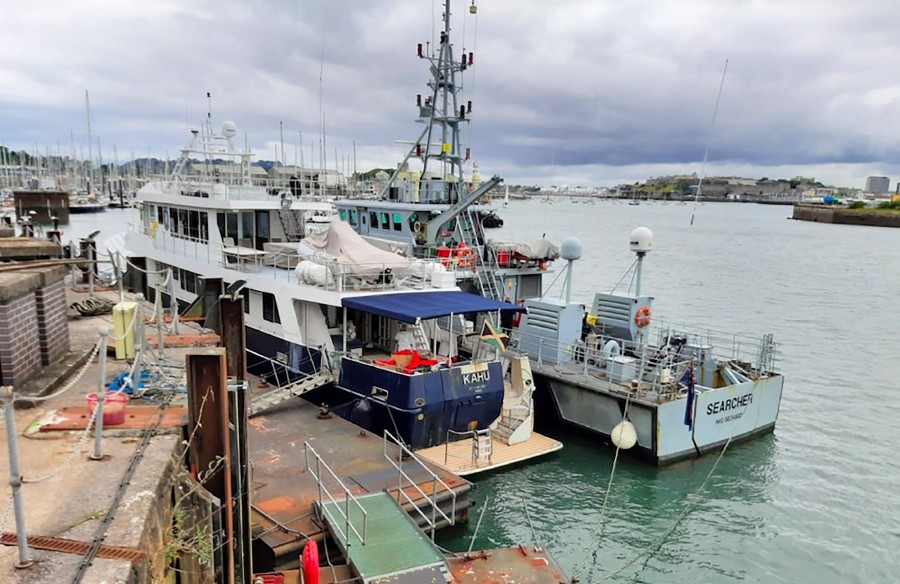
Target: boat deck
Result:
[[456, 457], [593, 378]]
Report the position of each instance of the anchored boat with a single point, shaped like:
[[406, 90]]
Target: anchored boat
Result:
[[664, 392], [387, 339], [429, 208]]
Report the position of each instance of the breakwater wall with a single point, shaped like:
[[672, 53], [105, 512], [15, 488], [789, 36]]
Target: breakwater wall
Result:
[[844, 216]]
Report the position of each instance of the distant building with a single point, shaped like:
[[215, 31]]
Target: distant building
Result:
[[878, 185]]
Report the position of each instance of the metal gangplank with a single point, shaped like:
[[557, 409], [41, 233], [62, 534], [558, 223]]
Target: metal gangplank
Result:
[[379, 540]]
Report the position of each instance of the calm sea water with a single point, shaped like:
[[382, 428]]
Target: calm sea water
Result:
[[817, 501]]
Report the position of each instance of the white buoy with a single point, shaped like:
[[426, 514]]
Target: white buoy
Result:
[[624, 435]]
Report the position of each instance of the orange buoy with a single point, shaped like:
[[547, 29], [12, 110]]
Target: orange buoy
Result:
[[642, 317], [311, 563]]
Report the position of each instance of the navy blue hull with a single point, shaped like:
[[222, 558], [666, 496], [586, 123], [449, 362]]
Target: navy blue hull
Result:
[[292, 359], [424, 409]]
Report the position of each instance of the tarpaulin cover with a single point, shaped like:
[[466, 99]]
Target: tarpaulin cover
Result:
[[424, 305]]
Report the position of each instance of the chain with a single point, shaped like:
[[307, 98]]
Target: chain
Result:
[[71, 457], [6, 515], [68, 385]]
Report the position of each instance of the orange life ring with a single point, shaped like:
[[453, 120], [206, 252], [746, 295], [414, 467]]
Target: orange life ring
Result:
[[642, 318]]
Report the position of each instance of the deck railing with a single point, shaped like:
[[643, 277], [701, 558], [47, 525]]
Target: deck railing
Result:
[[655, 371], [316, 471], [405, 453], [279, 265]]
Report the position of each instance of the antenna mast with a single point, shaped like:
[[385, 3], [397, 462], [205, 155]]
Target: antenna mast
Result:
[[712, 126]]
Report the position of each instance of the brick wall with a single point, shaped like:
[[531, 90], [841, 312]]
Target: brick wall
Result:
[[20, 351], [52, 321]]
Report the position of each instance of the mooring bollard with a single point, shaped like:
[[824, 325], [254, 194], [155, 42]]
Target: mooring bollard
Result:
[[101, 397], [91, 264], [15, 477], [116, 257]]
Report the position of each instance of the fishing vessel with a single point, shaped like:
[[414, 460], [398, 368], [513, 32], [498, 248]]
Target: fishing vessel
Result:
[[663, 392], [428, 208], [387, 340]]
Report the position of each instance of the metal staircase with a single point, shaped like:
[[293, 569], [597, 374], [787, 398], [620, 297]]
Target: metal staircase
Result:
[[379, 540], [420, 338], [291, 224], [517, 415], [486, 268], [289, 391]]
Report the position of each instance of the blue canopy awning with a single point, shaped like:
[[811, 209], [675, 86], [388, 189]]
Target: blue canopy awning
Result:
[[424, 305]]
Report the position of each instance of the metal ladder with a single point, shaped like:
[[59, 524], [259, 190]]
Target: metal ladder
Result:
[[482, 446], [486, 268], [420, 338], [292, 227]]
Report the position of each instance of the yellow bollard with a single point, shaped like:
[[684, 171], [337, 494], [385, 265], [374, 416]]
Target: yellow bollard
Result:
[[123, 329]]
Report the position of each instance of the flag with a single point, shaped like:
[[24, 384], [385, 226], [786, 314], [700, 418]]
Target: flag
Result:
[[492, 337], [689, 405]]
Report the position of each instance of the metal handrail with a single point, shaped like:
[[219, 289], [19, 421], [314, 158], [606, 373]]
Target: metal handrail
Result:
[[648, 368], [435, 481], [474, 434], [317, 474]]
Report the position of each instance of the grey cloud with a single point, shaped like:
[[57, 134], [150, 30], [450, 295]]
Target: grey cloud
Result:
[[584, 86]]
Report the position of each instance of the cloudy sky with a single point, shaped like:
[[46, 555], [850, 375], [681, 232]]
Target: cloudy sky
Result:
[[591, 92]]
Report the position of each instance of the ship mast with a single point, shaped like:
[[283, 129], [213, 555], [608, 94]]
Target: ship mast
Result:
[[442, 113]]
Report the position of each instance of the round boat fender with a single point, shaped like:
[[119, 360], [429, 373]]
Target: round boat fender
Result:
[[642, 317]]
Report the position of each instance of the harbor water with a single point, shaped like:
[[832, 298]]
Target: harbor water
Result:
[[813, 502]]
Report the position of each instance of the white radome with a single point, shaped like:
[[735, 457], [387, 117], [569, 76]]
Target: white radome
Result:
[[229, 129], [640, 240]]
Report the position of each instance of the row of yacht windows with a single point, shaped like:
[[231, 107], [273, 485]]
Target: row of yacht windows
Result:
[[377, 220], [248, 228], [193, 283], [187, 223], [185, 279]]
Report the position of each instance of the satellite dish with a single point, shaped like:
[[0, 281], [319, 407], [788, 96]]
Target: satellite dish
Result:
[[229, 129]]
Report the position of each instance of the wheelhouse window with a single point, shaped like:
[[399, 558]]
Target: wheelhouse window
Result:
[[398, 222], [352, 217], [373, 219], [270, 308], [343, 214], [385, 222]]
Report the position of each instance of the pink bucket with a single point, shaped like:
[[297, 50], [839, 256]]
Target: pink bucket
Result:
[[113, 407]]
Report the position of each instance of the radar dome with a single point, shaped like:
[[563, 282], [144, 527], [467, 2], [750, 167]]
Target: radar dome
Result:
[[641, 240], [570, 249], [229, 129], [382, 175]]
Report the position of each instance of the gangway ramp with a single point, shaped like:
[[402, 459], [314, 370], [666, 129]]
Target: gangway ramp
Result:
[[379, 540]]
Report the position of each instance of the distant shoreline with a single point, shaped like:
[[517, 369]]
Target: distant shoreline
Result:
[[845, 216]]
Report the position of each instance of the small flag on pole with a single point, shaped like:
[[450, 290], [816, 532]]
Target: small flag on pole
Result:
[[490, 336], [689, 405]]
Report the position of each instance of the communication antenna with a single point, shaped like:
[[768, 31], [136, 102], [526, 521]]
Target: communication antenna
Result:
[[712, 126]]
